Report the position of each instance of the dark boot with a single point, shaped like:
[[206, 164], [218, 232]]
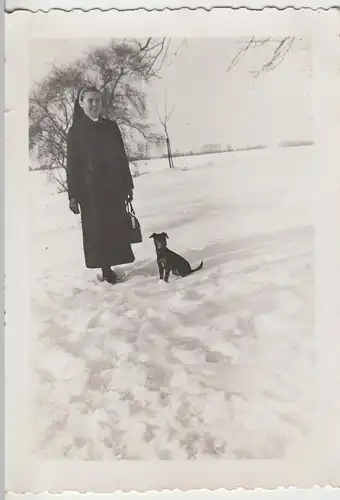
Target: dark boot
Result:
[[109, 275]]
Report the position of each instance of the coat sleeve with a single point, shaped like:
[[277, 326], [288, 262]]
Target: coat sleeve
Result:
[[71, 165], [127, 177]]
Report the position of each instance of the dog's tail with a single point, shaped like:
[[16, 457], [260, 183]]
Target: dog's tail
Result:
[[197, 268]]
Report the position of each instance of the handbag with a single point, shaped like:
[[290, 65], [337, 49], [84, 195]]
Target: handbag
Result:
[[135, 229]]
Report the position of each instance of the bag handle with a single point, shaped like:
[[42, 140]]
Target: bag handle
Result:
[[129, 206]]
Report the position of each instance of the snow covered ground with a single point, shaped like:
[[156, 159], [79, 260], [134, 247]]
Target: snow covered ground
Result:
[[216, 365]]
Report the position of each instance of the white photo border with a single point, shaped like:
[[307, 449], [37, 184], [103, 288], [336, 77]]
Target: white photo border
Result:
[[86, 5], [316, 460]]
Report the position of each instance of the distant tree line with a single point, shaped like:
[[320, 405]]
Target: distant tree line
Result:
[[145, 157]]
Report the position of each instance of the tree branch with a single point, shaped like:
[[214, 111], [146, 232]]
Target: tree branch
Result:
[[239, 55], [279, 53]]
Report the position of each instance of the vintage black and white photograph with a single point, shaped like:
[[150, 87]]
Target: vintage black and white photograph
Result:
[[172, 246], [172, 251]]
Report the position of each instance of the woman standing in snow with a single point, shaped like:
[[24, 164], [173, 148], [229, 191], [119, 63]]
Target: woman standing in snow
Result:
[[99, 182]]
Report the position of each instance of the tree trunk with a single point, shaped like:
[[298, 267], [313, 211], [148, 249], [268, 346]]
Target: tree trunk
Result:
[[171, 163]]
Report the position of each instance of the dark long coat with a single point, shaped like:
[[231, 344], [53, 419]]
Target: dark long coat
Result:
[[99, 178]]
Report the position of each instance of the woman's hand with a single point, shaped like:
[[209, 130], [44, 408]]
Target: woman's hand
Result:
[[74, 206]]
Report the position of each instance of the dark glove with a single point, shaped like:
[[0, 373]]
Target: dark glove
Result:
[[129, 197], [74, 206]]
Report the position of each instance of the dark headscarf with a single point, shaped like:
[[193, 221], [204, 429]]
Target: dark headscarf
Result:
[[78, 112]]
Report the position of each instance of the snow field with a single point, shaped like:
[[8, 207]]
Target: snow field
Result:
[[216, 365]]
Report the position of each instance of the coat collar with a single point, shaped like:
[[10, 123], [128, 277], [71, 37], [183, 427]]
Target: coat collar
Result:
[[100, 119]]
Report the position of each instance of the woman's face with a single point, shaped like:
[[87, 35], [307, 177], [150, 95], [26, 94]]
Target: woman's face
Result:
[[91, 103]]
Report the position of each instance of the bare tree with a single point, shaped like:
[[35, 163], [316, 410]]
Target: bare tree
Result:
[[164, 121], [280, 48], [119, 70]]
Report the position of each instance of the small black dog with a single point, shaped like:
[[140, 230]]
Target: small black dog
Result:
[[170, 261]]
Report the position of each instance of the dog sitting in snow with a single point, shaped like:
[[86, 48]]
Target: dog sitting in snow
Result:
[[170, 261]]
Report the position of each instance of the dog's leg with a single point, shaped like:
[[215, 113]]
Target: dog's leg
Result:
[[167, 274], [161, 270]]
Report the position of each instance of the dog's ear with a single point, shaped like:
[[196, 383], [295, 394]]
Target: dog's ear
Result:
[[153, 235], [166, 235]]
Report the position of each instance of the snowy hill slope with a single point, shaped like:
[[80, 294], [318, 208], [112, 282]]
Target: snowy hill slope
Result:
[[219, 364]]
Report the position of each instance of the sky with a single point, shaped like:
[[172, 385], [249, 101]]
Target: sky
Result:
[[211, 105]]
